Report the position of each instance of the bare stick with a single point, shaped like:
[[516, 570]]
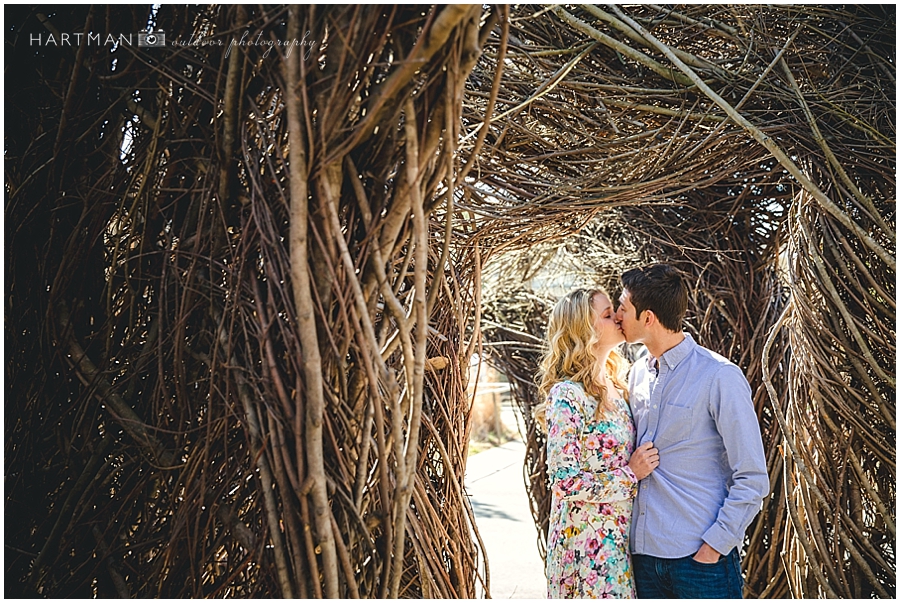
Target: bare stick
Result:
[[767, 142], [306, 322]]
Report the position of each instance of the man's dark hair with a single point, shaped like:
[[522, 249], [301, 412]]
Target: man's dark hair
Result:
[[659, 288]]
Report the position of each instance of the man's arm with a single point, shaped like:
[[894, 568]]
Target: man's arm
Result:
[[731, 407]]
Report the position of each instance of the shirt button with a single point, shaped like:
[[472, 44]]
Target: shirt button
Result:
[[654, 406], [650, 434]]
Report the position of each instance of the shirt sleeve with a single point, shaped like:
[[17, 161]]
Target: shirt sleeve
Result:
[[731, 407], [569, 473]]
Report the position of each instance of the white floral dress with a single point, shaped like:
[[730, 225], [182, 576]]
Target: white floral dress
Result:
[[592, 491]]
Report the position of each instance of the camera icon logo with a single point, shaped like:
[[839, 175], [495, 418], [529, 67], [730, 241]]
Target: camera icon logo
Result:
[[152, 39]]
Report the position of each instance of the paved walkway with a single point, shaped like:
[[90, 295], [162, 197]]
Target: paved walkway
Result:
[[496, 488]]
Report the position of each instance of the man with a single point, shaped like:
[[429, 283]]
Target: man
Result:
[[691, 513]]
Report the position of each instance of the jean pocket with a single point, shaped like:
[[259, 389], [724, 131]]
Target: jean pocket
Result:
[[677, 420], [721, 561], [697, 580]]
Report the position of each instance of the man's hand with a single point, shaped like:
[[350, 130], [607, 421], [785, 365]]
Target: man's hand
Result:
[[707, 554], [644, 460]]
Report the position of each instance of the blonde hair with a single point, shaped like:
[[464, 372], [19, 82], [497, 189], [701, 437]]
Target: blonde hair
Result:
[[570, 353]]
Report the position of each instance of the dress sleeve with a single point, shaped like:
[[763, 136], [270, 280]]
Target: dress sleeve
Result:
[[569, 473]]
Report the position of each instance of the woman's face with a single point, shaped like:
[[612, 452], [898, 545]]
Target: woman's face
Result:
[[607, 331]]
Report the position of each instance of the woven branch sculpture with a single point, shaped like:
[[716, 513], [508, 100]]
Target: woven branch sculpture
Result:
[[243, 285], [238, 356], [754, 148]]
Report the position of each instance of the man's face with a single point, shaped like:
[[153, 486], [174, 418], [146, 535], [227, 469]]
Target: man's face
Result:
[[628, 320]]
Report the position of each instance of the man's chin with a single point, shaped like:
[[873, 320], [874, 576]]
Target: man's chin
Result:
[[625, 338]]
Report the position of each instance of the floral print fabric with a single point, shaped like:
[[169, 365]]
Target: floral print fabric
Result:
[[592, 491]]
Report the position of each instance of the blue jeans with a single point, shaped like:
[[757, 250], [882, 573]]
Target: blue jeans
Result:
[[684, 578]]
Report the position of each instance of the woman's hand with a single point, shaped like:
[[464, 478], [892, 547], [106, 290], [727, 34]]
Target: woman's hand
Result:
[[644, 460]]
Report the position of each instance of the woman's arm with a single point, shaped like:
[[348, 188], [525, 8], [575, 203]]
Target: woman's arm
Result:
[[569, 474]]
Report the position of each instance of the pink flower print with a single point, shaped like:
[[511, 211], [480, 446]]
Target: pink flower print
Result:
[[587, 549], [583, 571], [571, 448], [610, 442]]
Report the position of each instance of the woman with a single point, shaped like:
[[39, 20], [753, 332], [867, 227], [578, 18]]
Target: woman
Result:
[[590, 439]]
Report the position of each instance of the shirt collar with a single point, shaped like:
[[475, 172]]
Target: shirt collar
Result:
[[652, 365], [674, 356]]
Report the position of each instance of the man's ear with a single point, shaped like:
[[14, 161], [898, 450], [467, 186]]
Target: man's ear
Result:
[[649, 318]]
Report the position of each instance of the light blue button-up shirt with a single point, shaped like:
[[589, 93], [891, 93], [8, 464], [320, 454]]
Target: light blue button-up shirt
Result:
[[711, 478]]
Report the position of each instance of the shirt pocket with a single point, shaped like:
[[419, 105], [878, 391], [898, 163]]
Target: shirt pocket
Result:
[[678, 422]]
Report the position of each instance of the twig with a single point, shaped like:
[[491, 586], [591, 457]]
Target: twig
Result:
[[770, 144], [306, 324], [629, 52]]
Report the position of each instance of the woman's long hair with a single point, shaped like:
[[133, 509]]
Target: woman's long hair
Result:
[[570, 352]]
